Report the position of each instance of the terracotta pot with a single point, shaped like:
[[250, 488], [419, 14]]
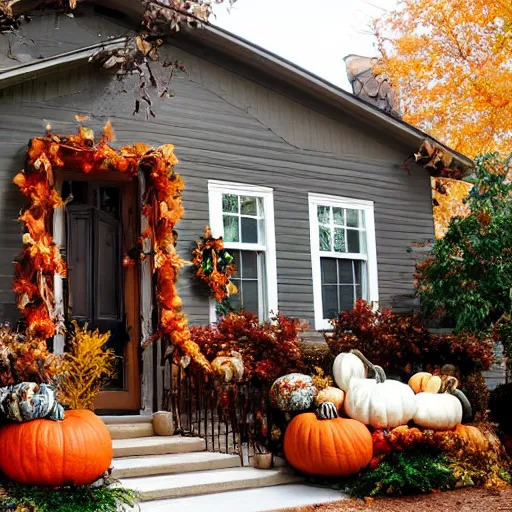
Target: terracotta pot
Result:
[[262, 460], [163, 423]]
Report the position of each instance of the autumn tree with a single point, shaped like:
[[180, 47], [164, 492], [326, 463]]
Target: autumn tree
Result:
[[450, 62]]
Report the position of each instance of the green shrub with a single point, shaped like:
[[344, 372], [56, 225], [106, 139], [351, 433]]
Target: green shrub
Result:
[[66, 499], [405, 473]]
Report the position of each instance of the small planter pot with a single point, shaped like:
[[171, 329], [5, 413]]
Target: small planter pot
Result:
[[163, 423], [263, 460]]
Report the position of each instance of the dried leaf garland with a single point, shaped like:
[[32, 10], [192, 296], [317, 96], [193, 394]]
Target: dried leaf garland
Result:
[[40, 260], [163, 209], [214, 265]]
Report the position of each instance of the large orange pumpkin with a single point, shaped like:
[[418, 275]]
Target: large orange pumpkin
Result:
[[75, 451], [327, 447]]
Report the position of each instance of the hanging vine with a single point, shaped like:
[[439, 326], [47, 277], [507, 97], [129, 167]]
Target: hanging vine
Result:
[[40, 259]]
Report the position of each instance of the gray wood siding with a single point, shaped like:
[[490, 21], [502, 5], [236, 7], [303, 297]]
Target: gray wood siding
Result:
[[226, 127]]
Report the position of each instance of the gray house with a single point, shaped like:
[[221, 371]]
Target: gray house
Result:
[[305, 182]]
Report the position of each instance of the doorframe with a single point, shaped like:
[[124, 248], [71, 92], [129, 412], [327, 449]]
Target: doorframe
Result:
[[130, 223]]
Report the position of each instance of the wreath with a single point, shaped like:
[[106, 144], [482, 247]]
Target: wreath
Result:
[[162, 207], [214, 265]]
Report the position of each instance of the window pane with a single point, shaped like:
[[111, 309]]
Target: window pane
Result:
[[353, 218], [345, 272], [237, 261], [249, 264], [339, 216], [359, 292], [324, 214], [339, 240], [330, 301], [249, 230], [249, 205], [250, 296], [229, 203], [346, 298], [329, 273], [231, 229], [235, 301], [357, 270], [353, 237], [325, 239]]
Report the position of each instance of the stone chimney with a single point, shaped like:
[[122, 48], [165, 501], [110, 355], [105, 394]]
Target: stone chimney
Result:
[[375, 89]]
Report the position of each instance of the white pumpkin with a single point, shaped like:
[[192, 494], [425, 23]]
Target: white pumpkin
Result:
[[380, 403], [348, 366], [437, 411]]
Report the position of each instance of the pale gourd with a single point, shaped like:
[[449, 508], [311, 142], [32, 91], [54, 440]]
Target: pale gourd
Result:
[[347, 366], [330, 394], [424, 382], [442, 411], [379, 402], [437, 411]]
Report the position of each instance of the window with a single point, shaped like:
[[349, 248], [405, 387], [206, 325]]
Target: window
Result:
[[343, 252], [244, 216]]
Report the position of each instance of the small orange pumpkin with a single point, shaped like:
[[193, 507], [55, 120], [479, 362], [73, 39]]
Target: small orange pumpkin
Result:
[[325, 445], [75, 451], [424, 382], [475, 438], [330, 394]]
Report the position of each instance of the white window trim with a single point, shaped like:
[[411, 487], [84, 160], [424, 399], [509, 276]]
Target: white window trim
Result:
[[215, 189], [316, 200]]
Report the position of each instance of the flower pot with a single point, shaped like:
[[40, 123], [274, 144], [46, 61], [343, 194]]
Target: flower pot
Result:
[[263, 460], [163, 423]]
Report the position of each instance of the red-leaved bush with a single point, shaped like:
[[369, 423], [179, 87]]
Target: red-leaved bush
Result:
[[269, 349], [402, 344]]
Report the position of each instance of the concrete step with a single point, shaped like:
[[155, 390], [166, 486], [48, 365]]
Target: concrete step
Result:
[[249, 500], [172, 463], [157, 446], [130, 430], [207, 482], [129, 418]]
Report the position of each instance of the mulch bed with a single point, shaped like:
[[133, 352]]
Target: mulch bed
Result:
[[464, 500]]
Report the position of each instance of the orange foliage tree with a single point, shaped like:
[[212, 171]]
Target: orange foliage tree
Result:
[[450, 63], [449, 201]]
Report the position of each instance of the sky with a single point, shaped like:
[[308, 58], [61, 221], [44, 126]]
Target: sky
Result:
[[298, 31]]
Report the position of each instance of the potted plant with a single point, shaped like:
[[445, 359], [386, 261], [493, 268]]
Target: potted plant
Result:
[[263, 458]]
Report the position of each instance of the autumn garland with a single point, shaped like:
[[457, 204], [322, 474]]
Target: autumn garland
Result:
[[214, 265], [40, 259]]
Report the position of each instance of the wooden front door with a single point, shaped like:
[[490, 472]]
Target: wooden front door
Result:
[[101, 225]]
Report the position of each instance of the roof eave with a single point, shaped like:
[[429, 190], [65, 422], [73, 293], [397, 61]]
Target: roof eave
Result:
[[280, 68], [32, 70]]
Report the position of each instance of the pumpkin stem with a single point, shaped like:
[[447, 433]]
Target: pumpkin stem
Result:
[[326, 411], [451, 388], [380, 375], [451, 385], [365, 361]]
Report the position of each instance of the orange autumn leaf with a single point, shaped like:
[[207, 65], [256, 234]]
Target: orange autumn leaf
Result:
[[108, 132]]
